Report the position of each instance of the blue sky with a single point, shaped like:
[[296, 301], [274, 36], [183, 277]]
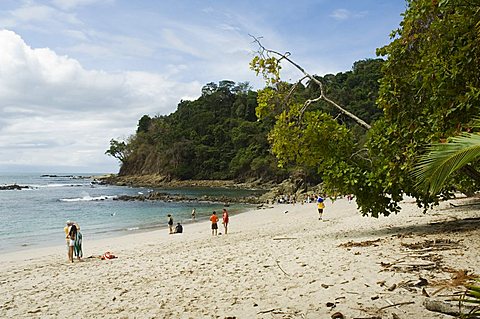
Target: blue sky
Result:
[[76, 73]]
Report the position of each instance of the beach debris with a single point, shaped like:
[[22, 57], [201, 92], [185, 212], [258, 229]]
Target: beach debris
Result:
[[288, 313], [361, 244], [337, 315], [392, 287], [331, 304], [415, 265], [374, 297], [435, 244], [421, 282], [230, 317], [452, 309], [278, 264], [425, 293], [458, 278], [284, 238], [325, 286], [391, 304], [35, 311]]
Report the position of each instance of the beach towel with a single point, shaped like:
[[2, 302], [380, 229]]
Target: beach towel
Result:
[[77, 245]]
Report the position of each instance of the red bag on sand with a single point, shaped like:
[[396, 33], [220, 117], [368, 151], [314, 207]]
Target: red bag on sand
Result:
[[108, 255]]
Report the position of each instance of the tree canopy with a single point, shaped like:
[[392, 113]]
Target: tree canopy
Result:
[[429, 90]]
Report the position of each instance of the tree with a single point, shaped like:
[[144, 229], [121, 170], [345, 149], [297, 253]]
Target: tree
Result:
[[430, 90], [118, 150], [144, 124], [444, 159]]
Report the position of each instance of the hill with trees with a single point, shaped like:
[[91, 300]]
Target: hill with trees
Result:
[[218, 135]]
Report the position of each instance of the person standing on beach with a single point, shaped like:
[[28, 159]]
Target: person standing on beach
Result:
[[214, 220], [170, 223], [225, 220], [66, 229], [194, 213], [72, 234], [320, 206], [77, 245]]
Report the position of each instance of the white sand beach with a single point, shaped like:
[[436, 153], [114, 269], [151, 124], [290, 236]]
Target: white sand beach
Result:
[[280, 262]]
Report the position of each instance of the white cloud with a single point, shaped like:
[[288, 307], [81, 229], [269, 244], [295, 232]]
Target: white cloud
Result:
[[52, 110], [340, 14], [344, 14], [40, 13], [71, 4]]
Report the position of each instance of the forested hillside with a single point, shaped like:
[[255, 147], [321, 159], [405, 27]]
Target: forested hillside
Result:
[[218, 136]]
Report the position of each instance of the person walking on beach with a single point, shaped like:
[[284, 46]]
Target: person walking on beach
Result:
[[194, 213], [214, 220], [72, 234], [170, 223], [77, 245], [225, 220], [320, 207]]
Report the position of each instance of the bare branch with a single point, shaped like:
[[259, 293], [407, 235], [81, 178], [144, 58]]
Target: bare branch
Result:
[[286, 56], [292, 90]]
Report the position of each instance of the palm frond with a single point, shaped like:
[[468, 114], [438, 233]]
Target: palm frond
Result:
[[443, 159]]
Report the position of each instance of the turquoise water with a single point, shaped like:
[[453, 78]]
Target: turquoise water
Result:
[[35, 217]]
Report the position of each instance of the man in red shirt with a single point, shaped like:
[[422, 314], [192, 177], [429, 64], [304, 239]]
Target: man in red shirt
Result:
[[225, 220], [214, 220]]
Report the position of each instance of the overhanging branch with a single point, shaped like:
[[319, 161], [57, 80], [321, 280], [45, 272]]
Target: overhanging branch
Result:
[[286, 56]]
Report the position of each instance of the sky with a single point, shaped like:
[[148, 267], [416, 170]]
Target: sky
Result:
[[76, 73]]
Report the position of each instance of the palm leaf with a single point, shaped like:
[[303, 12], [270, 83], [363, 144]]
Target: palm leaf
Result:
[[441, 160]]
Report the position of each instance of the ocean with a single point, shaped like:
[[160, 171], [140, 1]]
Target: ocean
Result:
[[35, 216]]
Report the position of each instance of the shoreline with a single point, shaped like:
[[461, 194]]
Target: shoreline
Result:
[[15, 253], [280, 260]]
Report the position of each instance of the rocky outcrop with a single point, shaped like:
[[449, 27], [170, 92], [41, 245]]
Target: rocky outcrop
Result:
[[12, 187], [181, 198], [162, 181]]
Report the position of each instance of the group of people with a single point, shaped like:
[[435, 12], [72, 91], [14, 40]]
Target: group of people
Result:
[[177, 230], [214, 220], [73, 237]]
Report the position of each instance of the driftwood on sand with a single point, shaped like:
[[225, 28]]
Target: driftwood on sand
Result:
[[447, 308]]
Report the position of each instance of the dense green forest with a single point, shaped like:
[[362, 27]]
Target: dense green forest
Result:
[[218, 136]]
